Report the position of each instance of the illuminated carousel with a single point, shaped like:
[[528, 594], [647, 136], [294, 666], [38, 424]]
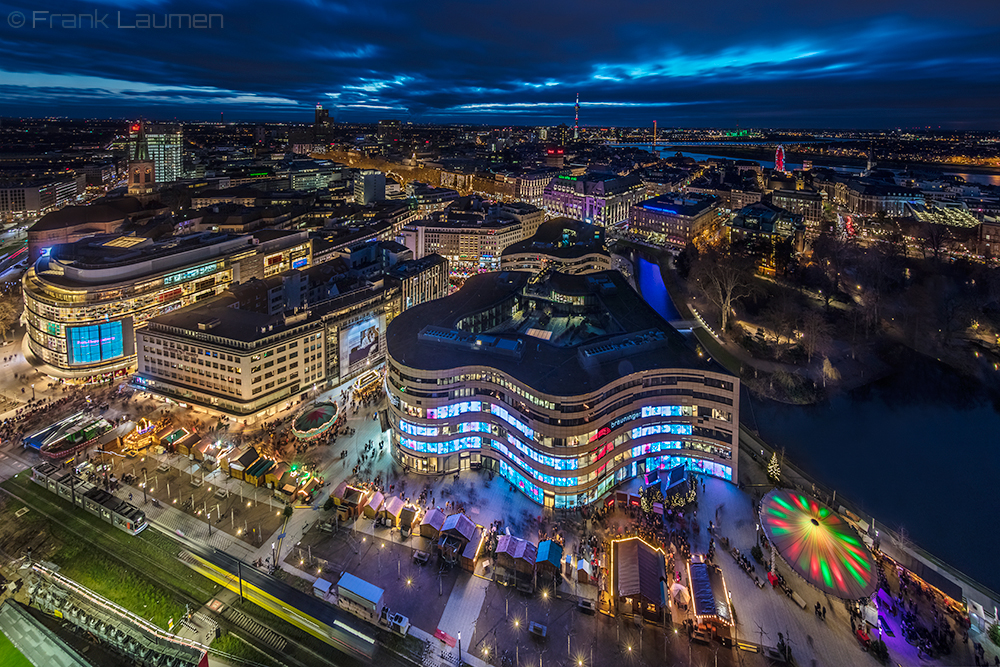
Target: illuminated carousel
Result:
[[818, 544], [315, 420]]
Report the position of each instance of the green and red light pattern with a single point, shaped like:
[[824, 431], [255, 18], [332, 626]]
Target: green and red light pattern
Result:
[[315, 421], [818, 544]]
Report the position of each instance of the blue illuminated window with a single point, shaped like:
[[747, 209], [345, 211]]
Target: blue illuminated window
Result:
[[414, 429], [454, 409], [653, 429]]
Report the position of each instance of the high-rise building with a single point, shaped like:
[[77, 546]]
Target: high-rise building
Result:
[[322, 115], [165, 145], [141, 167], [369, 186]]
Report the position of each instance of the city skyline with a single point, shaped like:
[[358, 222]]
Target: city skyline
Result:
[[864, 67]]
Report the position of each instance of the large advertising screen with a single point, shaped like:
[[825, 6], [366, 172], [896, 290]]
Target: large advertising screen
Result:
[[95, 343], [360, 343]]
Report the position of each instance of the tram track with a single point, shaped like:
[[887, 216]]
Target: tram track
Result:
[[181, 595]]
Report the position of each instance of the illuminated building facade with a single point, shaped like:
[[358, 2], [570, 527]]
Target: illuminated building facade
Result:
[[565, 386], [231, 361], [602, 199], [672, 220], [84, 300]]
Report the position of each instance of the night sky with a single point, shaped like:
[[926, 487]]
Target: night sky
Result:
[[848, 64]]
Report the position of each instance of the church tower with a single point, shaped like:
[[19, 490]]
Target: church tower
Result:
[[141, 170]]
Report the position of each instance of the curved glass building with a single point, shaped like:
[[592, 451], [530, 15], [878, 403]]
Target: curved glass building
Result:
[[565, 385]]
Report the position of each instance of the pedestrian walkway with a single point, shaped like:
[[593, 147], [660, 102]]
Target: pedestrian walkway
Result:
[[462, 611]]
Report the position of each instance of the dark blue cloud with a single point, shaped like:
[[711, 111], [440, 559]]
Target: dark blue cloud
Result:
[[853, 64]]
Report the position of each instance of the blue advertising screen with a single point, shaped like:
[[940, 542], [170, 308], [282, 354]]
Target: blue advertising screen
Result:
[[96, 342]]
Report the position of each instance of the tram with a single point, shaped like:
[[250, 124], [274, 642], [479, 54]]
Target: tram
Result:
[[334, 626], [109, 508]]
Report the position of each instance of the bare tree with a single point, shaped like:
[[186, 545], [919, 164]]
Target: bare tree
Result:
[[725, 280], [815, 333]]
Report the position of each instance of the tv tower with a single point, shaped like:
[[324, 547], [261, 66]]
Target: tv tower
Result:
[[779, 158], [576, 123]]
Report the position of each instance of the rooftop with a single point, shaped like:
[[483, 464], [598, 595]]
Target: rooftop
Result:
[[561, 237], [678, 204], [565, 335]]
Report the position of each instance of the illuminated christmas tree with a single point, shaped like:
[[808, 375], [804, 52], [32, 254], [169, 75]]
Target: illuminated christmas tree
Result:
[[773, 469]]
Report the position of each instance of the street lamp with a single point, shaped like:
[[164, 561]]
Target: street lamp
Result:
[[274, 556], [32, 391]]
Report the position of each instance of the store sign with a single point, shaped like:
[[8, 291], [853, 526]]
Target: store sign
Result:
[[615, 423]]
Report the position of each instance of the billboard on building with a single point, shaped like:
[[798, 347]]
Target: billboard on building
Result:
[[98, 342], [361, 345]]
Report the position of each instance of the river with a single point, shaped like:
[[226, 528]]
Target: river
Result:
[[917, 450], [665, 151]]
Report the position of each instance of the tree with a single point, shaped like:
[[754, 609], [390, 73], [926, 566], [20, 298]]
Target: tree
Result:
[[815, 333], [830, 372], [9, 314], [725, 281], [774, 468]]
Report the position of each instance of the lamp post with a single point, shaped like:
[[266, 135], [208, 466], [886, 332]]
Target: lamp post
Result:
[[32, 391], [274, 556]]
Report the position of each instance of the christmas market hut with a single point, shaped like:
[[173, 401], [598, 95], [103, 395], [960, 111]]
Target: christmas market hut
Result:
[[710, 597], [549, 560], [374, 504], [456, 532], [406, 518], [430, 525], [242, 460], [517, 557], [348, 500], [255, 475], [472, 551], [184, 444], [273, 476], [391, 510], [639, 578]]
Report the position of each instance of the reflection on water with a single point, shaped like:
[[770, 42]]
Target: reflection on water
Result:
[[650, 283], [979, 179], [916, 450]]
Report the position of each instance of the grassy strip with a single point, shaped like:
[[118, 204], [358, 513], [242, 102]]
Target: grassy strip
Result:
[[10, 656], [135, 572], [236, 648]]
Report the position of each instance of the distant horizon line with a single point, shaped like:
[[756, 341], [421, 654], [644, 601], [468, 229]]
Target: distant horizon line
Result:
[[660, 129]]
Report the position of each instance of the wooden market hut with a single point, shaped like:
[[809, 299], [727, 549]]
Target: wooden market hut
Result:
[[639, 578], [472, 551], [456, 533], [406, 518], [430, 525], [517, 556], [348, 500], [241, 461], [170, 439], [256, 473], [273, 476], [186, 443], [549, 560], [709, 597], [373, 505], [392, 509]]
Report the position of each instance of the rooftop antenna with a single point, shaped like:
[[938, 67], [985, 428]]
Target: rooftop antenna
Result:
[[576, 122]]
